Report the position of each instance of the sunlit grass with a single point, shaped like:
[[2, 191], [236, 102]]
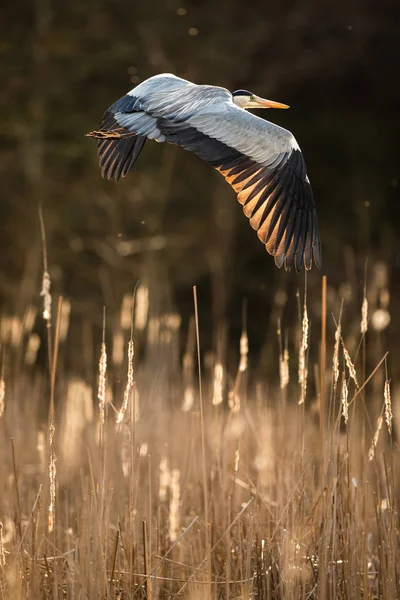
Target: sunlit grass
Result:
[[238, 497]]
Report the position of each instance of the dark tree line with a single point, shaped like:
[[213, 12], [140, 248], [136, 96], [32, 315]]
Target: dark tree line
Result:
[[63, 63]]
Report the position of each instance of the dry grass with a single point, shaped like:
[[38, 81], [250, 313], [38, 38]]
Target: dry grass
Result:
[[223, 494]]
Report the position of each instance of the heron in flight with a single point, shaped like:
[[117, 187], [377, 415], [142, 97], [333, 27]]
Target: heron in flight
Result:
[[260, 160]]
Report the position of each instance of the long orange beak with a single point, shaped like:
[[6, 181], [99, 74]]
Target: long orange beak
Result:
[[270, 103]]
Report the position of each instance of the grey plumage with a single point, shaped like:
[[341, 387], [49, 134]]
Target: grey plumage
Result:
[[261, 161]]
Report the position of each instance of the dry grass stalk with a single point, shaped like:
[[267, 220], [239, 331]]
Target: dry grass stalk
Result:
[[371, 452], [303, 370], [52, 503], [218, 384], [244, 351], [364, 315], [388, 406], [129, 383], [2, 552], [101, 390], [350, 365], [345, 399], [2, 396], [46, 295], [237, 460], [174, 505]]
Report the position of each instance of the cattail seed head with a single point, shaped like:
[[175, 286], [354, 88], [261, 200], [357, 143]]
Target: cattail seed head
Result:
[[364, 316], [129, 383], [350, 365], [336, 356], [388, 406], [345, 399], [101, 390], [174, 505], [45, 293], [52, 477], [303, 370], [371, 452], [244, 351]]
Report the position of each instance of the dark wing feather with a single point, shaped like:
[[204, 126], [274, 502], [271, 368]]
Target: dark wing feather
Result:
[[277, 199], [117, 156], [122, 135]]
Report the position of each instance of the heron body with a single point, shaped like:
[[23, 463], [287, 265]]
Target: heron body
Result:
[[260, 160]]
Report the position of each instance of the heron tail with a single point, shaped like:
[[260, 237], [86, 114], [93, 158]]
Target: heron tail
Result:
[[113, 134]]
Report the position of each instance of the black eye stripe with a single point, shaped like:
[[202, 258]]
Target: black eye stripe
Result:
[[242, 93]]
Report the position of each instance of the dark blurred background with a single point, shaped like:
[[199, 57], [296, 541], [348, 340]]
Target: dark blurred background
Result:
[[173, 222]]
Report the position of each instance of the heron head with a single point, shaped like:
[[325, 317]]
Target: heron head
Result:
[[245, 99]]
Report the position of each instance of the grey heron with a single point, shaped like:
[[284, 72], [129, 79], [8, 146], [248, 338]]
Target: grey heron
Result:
[[260, 160]]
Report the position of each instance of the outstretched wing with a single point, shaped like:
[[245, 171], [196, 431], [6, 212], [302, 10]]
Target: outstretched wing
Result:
[[121, 137], [128, 122], [264, 165]]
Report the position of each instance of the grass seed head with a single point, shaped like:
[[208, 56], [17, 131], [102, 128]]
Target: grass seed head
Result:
[[388, 406], [244, 351], [364, 316], [101, 390], [345, 399], [371, 452], [46, 295], [303, 369], [174, 505], [129, 383], [350, 365], [52, 477], [336, 355]]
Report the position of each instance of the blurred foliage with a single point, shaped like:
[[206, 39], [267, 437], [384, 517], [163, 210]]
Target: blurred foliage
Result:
[[173, 219]]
